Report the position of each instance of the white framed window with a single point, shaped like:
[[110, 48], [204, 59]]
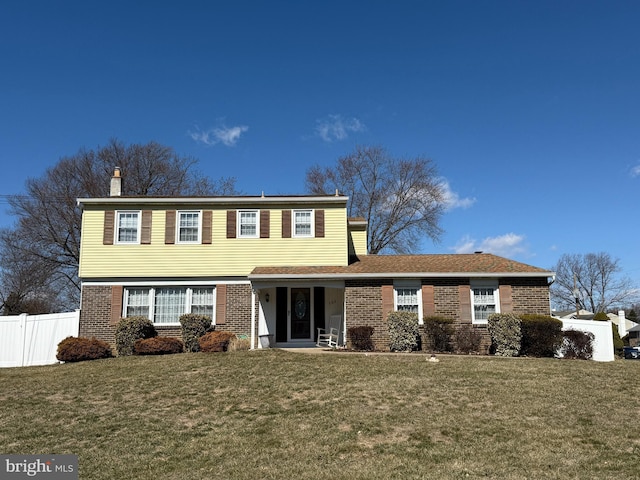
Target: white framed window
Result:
[[164, 305], [128, 227], [407, 296], [248, 224], [189, 227], [136, 302], [303, 223], [485, 300]]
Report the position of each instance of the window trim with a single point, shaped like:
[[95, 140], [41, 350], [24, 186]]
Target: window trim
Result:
[[188, 242], [409, 284], [239, 213], [151, 297], [312, 221], [493, 284], [116, 239]]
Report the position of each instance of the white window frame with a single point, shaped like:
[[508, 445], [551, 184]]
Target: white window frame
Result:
[[312, 222], [484, 284], [138, 213], [239, 233], [178, 226], [410, 285], [151, 300]]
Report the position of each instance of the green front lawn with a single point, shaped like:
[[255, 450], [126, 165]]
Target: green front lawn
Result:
[[277, 414]]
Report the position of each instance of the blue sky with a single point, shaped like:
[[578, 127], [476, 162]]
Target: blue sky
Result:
[[530, 109]]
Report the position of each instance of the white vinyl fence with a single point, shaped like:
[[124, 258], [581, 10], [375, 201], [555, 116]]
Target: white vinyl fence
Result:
[[27, 340], [603, 341]]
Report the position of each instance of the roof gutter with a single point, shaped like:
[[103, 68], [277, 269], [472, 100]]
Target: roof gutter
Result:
[[359, 276], [327, 199]]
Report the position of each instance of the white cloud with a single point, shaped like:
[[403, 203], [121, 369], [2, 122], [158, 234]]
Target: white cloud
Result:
[[228, 136], [507, 245], [334, 127], [635, 171], [452, 199]]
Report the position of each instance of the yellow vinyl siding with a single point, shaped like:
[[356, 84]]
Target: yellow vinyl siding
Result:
[[223, 257], [358, 242]]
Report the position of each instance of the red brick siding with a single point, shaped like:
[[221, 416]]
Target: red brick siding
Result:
[[364, 305], [95, 313]]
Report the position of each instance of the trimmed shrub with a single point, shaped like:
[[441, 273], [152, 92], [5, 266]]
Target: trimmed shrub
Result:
[[237, 344], [78, 349], [601, 316], [215, 341], [438, 332], [506, 335], [130, 329], [468, 339], [403, 331], [158, 346], [193, 327], [541, 335], [577, 345], [361, 338]]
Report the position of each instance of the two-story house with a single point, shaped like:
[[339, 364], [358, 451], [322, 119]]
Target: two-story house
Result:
[[276, 265]]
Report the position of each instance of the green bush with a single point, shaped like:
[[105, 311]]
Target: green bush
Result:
[[158, 346], [403, 331], [130, 329], [193, 327], [506, 334], [577, 345], [601, 316], [215, 341], [468, 339], [541, 335], [361, 338], [77, 349], [438, 332]]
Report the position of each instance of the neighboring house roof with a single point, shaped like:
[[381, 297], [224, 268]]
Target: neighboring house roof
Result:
[[437, 265]]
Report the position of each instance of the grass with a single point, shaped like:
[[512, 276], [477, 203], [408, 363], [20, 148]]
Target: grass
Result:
[[278, 414]]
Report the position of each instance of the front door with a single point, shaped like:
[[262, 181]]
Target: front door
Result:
[[300, 308]]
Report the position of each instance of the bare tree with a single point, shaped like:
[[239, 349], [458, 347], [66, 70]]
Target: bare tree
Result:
[[48, 219], [595, 279], [402, 199]]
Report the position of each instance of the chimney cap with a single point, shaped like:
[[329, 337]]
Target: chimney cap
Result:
[[116, 171]]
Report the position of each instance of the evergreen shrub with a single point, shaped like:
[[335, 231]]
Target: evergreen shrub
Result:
[[158, 346], [506, 334], [78, 349], [403, 331], [577, 345], [541, 335], [130, 329], [361, 338], [438, 332], [193, 327], [216, 341]]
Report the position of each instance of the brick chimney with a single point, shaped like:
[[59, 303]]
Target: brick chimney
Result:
[[116, 183]]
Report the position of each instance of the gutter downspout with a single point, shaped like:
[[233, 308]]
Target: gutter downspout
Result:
[[253, 319]]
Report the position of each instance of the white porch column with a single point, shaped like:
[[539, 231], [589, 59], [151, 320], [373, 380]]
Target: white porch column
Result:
[[253, 319]]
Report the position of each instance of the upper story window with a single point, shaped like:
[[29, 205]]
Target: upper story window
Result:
[[189, 224], [408, 297], [484, 300], [302, 223], [248, 223], [128, 227]]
